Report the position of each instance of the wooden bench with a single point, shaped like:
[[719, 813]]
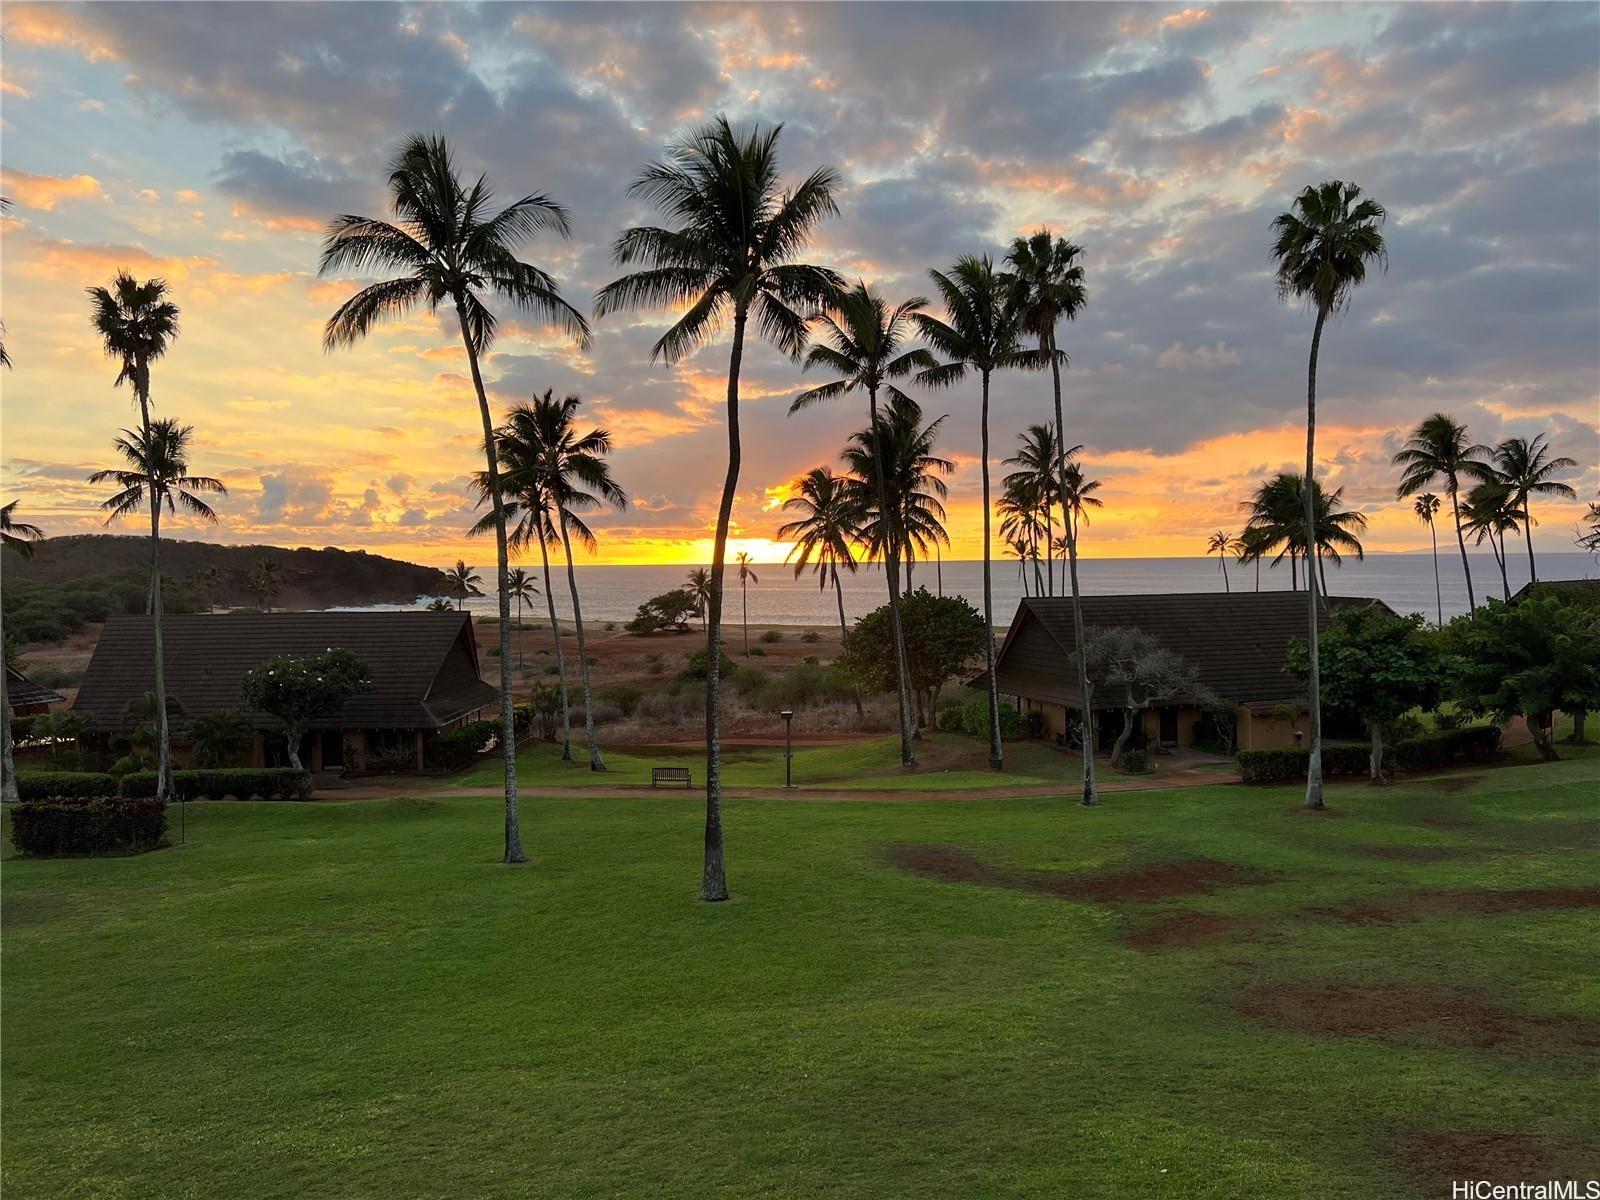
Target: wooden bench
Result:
[[660, 775]]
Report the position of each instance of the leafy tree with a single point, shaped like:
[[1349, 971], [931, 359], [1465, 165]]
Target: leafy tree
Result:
[[944, 634], [1427, 509], [1529, 660], [445, 246], [1440, 449], [62, 732], [299, 688], [670, 610], [1377, 666], [546, 704], [1528, 470], [731, 256], [1139, 673], [865, 343], [219, 739], [1322, 246]]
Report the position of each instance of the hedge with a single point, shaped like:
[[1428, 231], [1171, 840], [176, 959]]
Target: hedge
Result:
[[68, 825], [245, 783], [1278, 766], [458, 747], [972, 718], [1475, 743], [43, 785]]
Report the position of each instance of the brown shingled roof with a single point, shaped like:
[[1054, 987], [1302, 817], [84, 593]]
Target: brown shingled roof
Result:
[[1239, 640], [22, 692], [424, 665]]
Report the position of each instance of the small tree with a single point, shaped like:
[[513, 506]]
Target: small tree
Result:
[[943, 634], [1377, 666], [544, 703], [219, 739], [670, 610], [1140, 674], [299, 688], [1528, 660]]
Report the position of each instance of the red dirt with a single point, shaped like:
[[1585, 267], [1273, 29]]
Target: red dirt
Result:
[[1414, 906], [1432, 1161], [1412, 1014], [1153, 881], [1186, 929]]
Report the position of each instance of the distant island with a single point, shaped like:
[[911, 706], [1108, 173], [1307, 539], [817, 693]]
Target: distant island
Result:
[[307, 578]]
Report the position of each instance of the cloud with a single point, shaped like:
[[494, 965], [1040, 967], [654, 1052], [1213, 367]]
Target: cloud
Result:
[[44, 192], [1176, 357]]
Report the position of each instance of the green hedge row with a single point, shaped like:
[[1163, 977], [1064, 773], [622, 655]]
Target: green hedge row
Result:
[[83, 785], [972, 718], [243, 783], [458, 747], [85, 825], [1279, 766], [1474, 743]]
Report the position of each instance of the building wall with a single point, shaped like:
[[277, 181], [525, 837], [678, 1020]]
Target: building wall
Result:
[[1261, 731]]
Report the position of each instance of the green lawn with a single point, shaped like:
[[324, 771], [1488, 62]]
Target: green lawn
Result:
[[353, 999]]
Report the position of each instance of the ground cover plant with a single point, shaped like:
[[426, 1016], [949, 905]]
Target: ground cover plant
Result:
[[1204, 992]]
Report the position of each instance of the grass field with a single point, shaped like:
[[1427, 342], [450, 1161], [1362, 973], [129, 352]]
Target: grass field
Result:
[[999, 998]]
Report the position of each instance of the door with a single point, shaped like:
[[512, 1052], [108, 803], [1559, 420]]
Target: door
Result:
[[1169, 727]]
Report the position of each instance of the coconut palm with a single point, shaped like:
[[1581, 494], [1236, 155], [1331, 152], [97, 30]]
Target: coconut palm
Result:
[[1427, 508], [1440, 449], [865, 343], [731, 257], [1588, 537], [1078, 497], [1489, 513], [19, 537], [1038, 466], [822, 532], [1277, 521], [1222, 543], [445, 246], [699, 586], [1528, 470], [523, 590], [1321, 248], [1022, 510], [265, 582], [981, 334], [155, 474], [1250, 548], [462, 581], [746, 578]]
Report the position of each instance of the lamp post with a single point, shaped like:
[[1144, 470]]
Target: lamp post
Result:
[[788, 747]]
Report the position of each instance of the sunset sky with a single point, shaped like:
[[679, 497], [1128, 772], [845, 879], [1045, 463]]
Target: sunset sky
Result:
[[209, 145]]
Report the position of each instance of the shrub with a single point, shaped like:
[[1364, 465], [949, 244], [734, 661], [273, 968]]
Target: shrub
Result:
[[1136, 761], [455, 748], [1279, 766], [771, 637], [243, 783], [811, 660], [44, 785], [1447, 718], [757, 652], [389, 759], [972, 719], [694, 669], [1475, 743], [552, 669], [811, 637], [622, 696], [611, 626], [67, 825]]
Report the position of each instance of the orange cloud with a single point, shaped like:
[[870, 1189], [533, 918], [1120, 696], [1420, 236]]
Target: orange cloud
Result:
[[44, 192], [62, 258], [277, 222], [55, 26]]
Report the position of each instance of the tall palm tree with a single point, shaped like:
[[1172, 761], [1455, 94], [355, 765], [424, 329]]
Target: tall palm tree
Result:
[[982, 334], [155, 474], [1049, 288], [1222, 543], [699, 586], [463, 582], [1022, 511], [137, 323], [730, 257], [1439, 449], [865, 343], [1277, 521], [1528, 470], [1078, 497], [18, 537], [444, 245], [1038, 462], [1427, 508], [523, 589], [1489, 513], [1250, 549], [1321, 247], [822, 532], [746, 578]]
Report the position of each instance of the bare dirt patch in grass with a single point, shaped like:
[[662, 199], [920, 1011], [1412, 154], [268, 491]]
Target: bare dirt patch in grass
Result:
[[1414, 906], [1447, 821], [1150, 881], [1433, 1160], [1411, 1014], [1416, 854], [1187, 929]]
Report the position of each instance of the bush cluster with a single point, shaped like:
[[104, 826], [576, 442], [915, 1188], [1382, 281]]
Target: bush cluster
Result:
[[64, 825], [972, 718], [1474, 743], [44, 785], [1279, 766], [243, 783], [456, 748], [771, 637]]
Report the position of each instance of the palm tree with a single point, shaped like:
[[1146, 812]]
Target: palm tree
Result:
[[1277, 519], [19, 537], [1022, 520], [731, 256], [265, 582], [1078, 497], [823, 531], [1250, 548], [1589, 529], [463, 582], [205, 580], [982, 333], [1489, 514], [1039, 464], [5, 361], [523, 589], [864, 343], [1322, 247], [1427, 509], [699, 587], [1439, 448], [1221, 543], [1528, 470], [445, 246], [155, 473], [746, 578]]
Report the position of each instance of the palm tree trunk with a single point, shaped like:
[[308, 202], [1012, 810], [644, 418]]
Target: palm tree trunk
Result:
[[891, 566], [597, 761], [1069, 526], [153, 600], [1314, 674], [561, 659], [519, 631], [714, 879], [1294, 572], [1049, 552], [1500, 558], [1258, 572], [938, 566], [1222, 559], [996, 754], [508, 717], [1461, 541], [1527, 532], [1438, 593], [838, 594], [8, 766], [1322, 578], [744, 600]]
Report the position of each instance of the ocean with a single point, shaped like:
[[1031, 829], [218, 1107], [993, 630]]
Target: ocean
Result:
[[1403, 581]]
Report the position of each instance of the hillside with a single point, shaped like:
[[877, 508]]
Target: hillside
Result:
[[310, 578]]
